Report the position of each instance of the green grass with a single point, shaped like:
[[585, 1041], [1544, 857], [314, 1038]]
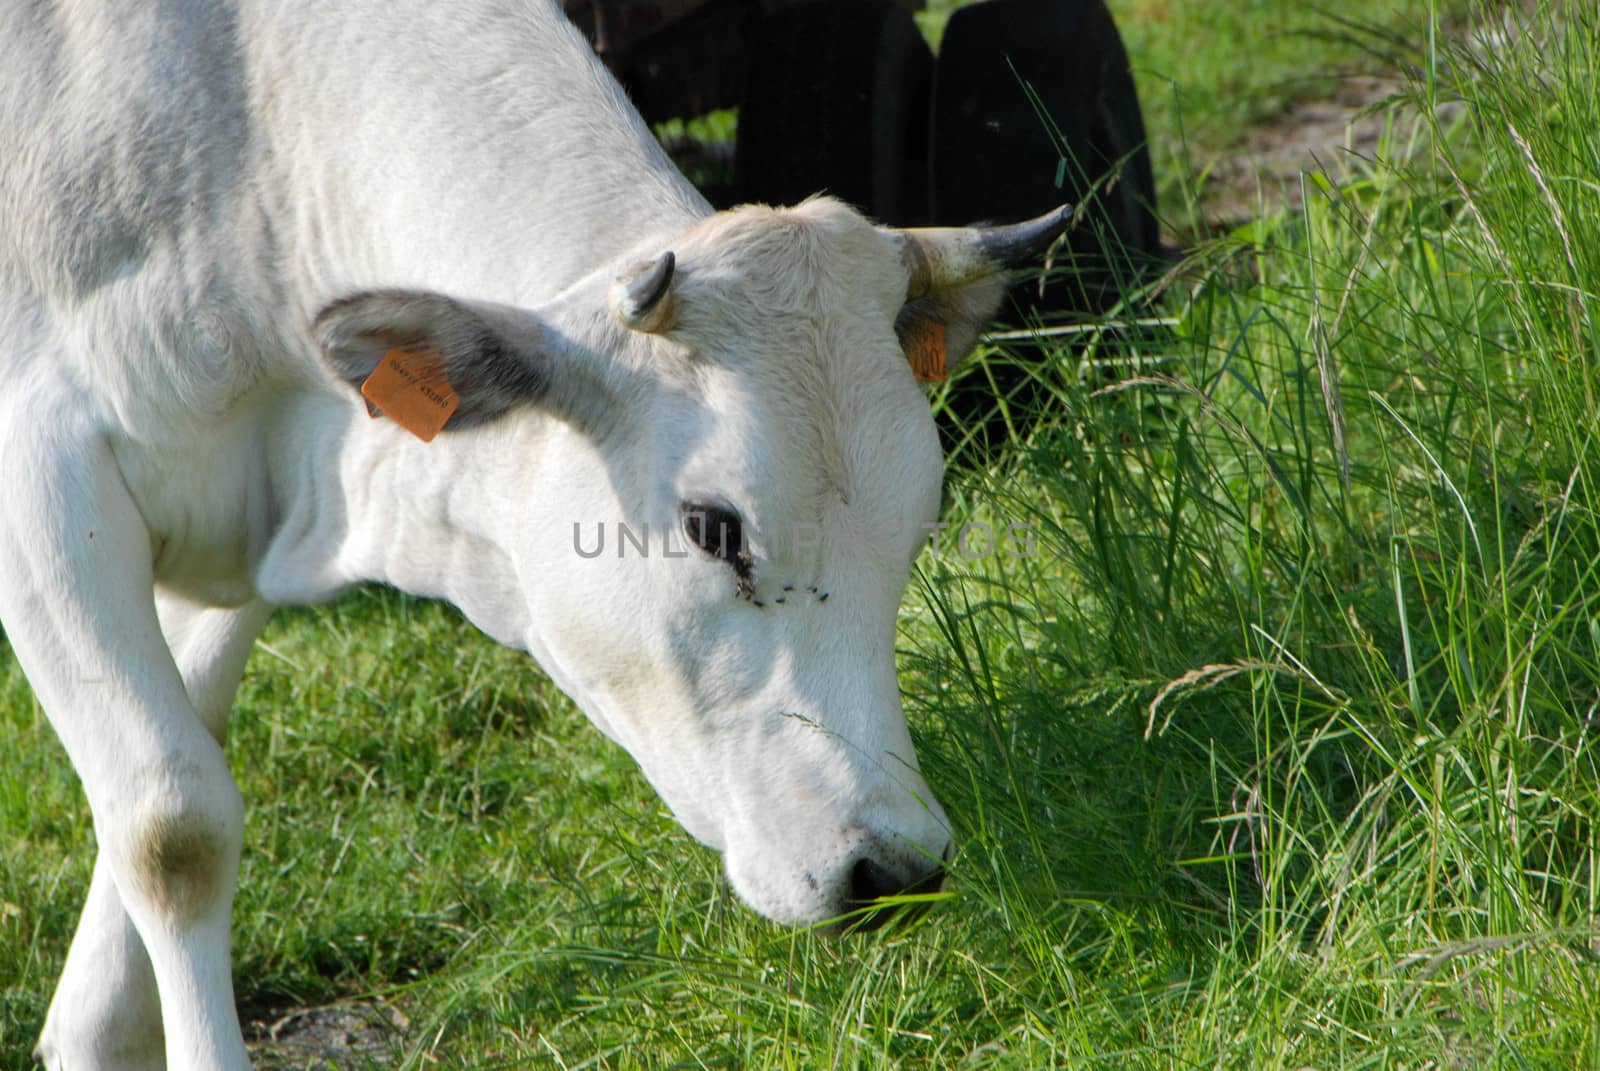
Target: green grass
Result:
[[1208, 71], [1277, 753]]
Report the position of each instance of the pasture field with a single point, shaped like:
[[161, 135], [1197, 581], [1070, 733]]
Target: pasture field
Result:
[[1276, 750]]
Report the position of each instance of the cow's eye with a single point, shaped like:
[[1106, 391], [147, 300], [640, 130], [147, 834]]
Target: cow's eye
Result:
[[715, 530]]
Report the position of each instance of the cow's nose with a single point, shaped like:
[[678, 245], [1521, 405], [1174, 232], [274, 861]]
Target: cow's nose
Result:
[[871, 881]]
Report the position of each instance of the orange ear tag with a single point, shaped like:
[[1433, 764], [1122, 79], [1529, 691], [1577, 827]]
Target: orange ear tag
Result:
[[925, 350], [410, 388]]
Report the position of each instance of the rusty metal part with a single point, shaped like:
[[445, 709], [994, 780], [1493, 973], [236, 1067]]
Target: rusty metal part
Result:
[[616, 26]]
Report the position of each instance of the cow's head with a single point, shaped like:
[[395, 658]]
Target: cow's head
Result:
[[735, 424]]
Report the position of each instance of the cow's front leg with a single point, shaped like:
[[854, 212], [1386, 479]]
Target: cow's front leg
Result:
[[76, 597], [105, 1013]]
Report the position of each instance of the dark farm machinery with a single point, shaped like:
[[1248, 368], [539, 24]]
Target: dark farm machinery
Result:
[[1028, 104]]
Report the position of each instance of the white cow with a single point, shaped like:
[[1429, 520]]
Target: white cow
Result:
[[213, 216]]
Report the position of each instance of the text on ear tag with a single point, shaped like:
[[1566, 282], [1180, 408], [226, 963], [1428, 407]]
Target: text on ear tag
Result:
[[925, 349], [410, 388]]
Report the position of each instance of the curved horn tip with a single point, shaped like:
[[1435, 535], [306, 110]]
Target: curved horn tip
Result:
[[640, 297], [1058, 219], [1020, 242]]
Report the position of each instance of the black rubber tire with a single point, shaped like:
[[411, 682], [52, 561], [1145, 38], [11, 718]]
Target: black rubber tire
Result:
[[837, 103], [994, 157]]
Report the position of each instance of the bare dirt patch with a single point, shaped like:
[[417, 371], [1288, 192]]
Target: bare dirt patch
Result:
[[336, 1037], [1332, 134], [1326, 134]]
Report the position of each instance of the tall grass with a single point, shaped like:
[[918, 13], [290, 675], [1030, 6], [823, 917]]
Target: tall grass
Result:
[[1304, 676], [1275, 752]]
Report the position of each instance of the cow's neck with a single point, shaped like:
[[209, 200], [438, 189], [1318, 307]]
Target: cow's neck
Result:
[[505, 174], [505, 177], [358, 500]]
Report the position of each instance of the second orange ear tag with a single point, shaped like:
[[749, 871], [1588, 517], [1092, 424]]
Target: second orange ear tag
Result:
[[925, 349], [409, 387]]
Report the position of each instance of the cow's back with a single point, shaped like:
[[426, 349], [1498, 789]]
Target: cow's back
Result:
[[185, 182]]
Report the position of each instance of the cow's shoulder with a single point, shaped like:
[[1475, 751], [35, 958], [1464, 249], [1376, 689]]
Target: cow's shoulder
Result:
[[124, 131], [132, 236]]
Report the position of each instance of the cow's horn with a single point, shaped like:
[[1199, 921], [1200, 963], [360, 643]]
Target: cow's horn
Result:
[[945, 257], [641, 298]]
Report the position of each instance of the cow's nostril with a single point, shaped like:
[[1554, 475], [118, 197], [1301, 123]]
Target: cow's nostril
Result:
[[870, 881]]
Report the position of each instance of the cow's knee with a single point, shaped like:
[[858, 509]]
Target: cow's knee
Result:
[[178, 848], [181, 863], [101, 1030], [66, 1050]]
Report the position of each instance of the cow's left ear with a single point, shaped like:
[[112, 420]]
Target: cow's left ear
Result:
[[479, 359], [937, 332], [956, 277]]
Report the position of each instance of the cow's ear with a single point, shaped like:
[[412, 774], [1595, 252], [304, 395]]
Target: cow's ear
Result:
[[938, 331], [956, 277], [480, 360]]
